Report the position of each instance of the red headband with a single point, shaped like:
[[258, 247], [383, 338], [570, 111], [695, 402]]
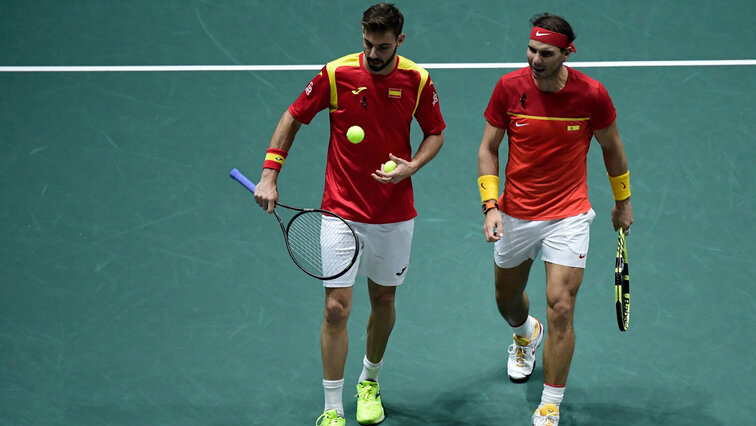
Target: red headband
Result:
[[552, 38]]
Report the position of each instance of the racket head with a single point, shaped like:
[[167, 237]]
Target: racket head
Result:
[[321, 243], [622, 283]]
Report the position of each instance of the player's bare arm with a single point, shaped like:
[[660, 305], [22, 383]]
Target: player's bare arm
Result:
[[488, 164], [266, 192], [616, 165]]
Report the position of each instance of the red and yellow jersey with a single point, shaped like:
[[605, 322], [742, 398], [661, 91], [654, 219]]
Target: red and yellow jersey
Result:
[[383, 106], [549, 136]]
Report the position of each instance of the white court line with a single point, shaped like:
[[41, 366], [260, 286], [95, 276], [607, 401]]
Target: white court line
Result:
[[482, 65]]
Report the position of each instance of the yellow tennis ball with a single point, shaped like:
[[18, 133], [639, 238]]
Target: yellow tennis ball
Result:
[[389, 166], [355, 134]]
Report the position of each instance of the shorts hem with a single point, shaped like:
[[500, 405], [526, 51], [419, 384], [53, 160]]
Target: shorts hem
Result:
[[332, 284]]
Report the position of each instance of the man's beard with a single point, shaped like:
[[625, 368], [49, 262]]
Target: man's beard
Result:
[[379, 68]]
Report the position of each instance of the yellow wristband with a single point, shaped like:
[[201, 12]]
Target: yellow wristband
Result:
[[620, 186], [489, 187]]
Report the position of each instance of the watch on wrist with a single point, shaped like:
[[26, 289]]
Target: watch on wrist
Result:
[[488, 205]]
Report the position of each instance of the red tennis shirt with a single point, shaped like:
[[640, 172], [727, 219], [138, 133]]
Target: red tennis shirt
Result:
[[549, 136], [383, 106]]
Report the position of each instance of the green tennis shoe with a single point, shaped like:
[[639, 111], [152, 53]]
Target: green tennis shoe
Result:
[[369, 407], [330, 418]]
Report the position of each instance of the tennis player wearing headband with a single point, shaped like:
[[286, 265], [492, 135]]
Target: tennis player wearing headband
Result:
[[550, 113]]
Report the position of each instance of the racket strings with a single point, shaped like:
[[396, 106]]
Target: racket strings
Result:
[[321, 244], [304, 241]]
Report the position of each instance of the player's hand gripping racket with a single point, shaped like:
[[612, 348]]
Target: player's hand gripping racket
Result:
[[320, 242], [622, 283]]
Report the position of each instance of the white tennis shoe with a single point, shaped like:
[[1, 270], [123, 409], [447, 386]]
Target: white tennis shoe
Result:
[[522, 351], [546, 415]]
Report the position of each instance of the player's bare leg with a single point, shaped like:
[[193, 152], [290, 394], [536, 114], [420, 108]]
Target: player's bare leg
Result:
[[514, 305], [334, 338], [511, 298], [562, 284], [381, 320], [379, 326]]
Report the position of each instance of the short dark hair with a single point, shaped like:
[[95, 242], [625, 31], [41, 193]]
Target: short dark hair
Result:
[[383, 17], [555, 23]]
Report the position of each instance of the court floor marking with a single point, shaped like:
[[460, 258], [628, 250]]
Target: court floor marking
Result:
[[480, 65]]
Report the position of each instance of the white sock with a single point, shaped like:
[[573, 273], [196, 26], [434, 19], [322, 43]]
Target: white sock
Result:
[[333, 390], [552, 394], [527, 328], [370, 370]]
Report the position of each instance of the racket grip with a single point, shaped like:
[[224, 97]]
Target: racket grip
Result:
[[239, 177]]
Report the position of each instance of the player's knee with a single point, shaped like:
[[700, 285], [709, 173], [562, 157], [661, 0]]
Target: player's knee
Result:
[[336, 312], [506, 297], [383, 301], [561, 313]]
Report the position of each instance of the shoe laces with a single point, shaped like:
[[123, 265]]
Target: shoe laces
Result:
[[327, 418], [366, 392], [517, 353], [518, 349]]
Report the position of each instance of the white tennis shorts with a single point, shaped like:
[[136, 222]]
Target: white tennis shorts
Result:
[[384, 253], [561, 241]]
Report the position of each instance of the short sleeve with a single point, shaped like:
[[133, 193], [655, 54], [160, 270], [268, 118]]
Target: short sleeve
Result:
[[428, 112], [496, 111], [315, 98], [604, 113]]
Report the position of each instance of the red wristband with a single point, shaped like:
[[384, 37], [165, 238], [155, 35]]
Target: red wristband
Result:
[[274, 159]]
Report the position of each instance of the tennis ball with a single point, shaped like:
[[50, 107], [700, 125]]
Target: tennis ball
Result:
[[389, 166], [355, 134]]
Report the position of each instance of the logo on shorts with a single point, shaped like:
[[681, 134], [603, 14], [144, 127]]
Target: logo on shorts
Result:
[[581, 256], [398, 274]]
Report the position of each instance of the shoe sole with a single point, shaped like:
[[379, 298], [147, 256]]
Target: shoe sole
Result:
[[383, 417], [524, 379], [535, 363]]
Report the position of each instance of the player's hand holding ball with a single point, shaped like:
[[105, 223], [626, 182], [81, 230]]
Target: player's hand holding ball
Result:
[[394, 170], [389, 166]]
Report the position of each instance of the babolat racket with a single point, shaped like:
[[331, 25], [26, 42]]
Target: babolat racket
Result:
[[320, 242], [622, 283]]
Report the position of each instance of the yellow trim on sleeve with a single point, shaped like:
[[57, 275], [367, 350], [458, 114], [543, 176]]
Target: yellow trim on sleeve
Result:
[[406, 64], [352, 60]]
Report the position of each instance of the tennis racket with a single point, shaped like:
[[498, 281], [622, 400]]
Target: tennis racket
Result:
[[622, 283], [320, 243]]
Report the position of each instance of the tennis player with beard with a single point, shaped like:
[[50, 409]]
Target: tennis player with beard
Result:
[[381, 92]]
